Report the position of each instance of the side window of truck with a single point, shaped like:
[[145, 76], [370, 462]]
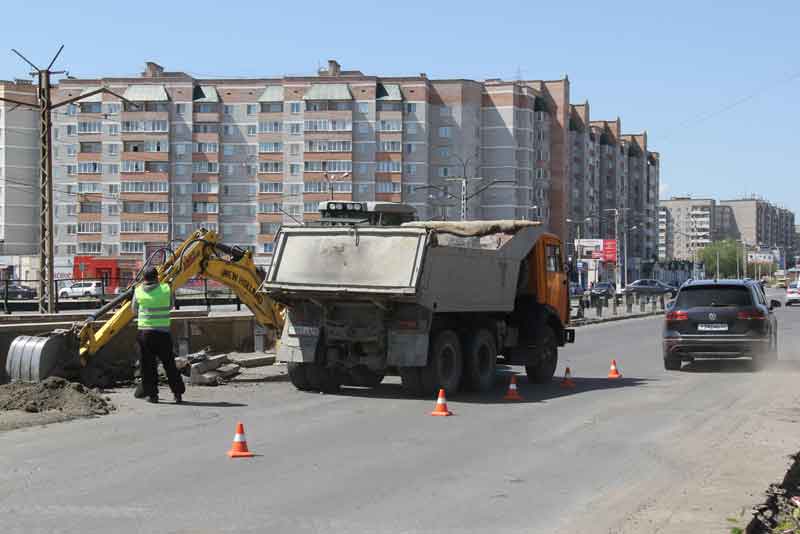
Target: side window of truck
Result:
[[553, 258]]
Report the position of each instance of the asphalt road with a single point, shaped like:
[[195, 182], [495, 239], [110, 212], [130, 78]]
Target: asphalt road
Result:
[[654, 452]]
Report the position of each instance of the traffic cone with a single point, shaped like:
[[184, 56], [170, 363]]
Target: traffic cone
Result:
[[239, 445], [512, 393], [441, 405], [613, 372], [567, 382]]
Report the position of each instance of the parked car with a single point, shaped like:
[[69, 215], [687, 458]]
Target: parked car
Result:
[[82, 289], [17, 292], [793, 294], [647, 286], [720, 319], [575, 289], [603, 289]]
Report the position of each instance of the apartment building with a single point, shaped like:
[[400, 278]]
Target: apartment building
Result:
[[19, 171], [613, 186], [758, 223], [686, 226]]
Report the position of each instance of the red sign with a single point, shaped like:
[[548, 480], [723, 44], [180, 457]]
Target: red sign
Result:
[[610, 250]]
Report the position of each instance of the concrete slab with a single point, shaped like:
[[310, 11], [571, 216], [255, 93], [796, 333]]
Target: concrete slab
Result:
[[252, 359]]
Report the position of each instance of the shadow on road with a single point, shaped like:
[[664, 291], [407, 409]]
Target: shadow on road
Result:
[[738, 365], [530, 392], [220, 404]]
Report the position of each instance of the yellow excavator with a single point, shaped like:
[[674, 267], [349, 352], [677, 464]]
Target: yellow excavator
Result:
[[34, 358]]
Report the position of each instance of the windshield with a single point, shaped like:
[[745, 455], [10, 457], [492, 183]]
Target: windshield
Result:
[[692, 297]]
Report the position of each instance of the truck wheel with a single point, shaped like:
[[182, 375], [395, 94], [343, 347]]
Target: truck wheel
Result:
[[480, 361], [445, 364], [322, 378], [547, 353], [363, 376], [297, 374], [411, 378]]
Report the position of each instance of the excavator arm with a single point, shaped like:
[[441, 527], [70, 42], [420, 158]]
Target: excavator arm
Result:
[[33, 359]]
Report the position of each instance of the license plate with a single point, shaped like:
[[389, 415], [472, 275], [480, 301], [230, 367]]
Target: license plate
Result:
[[303, 331], [713, 327]]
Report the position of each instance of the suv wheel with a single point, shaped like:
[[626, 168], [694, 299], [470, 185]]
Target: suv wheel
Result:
[[63, 294]]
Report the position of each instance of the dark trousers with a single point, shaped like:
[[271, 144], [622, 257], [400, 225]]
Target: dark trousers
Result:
[[154, 344]]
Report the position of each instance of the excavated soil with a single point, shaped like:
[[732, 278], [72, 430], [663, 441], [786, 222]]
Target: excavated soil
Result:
[[54, 399]]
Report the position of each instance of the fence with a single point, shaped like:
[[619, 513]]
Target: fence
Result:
[[92, 293], [589, 306]]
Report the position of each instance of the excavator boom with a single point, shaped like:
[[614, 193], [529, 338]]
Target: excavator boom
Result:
[[33, 358]]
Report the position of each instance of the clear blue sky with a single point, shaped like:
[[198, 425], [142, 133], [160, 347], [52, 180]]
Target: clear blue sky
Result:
[[661, 66]]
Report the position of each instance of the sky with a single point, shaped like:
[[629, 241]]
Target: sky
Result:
[[710, 81]]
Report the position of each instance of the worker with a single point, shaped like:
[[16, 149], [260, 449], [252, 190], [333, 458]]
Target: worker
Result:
[[151, 303]]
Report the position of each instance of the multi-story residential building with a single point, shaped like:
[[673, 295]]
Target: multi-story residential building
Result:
[[689, 225], [19, 170], [758, 223], [243, 156]]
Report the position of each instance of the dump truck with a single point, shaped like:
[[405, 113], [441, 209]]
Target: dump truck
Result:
[[436, 302]]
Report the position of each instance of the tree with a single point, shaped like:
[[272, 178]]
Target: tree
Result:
[[730, 254]]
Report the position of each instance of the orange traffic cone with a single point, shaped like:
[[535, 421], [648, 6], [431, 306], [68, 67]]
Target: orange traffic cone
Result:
[[567, 382], [512, 393], [239, 446], [441, 405], [613, 372]]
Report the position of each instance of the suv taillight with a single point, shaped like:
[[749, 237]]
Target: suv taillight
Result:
[[750, 316], [678, 316]]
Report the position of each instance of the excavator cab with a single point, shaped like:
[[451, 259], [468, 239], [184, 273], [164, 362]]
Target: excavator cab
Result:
[[336, 213]]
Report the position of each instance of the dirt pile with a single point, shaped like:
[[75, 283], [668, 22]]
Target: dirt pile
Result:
[[54, 393]]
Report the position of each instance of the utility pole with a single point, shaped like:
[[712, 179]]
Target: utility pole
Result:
[[47, 289]]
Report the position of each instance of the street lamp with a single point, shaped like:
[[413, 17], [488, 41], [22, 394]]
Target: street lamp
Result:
[[443, 193], [330, 178]]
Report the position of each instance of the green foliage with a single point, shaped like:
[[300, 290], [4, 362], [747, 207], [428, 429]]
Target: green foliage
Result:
[[729, 253]]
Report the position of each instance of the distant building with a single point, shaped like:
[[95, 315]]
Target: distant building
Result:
[[686, 226]]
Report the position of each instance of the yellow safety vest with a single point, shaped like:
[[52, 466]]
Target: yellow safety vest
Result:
[[154, 306]]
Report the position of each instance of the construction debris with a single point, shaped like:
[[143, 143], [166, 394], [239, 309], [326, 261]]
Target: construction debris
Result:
[[252, 359]]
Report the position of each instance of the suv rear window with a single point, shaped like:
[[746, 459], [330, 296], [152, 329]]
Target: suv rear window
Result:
[[691, 297]]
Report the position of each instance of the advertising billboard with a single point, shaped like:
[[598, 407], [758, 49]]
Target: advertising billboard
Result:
[[598, 249]]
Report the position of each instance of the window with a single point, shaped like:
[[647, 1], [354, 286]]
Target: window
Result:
[[88, 187], [390, 106], [206, 148], [270, 187], [328, 146], [271, 107], [228, 150], [294, 149], [310, 207], [144, 207], [71, 169], [206, 107], [113, 189], [391, 146], [295, 128], [444, 172], [227, 109], [269, 207], [252, 130], [363, 189], [363, 107], [158, 227], [205, 167], [131, 227], [444, 131], [72, 129], [180, 170], [390, 126], [113, 129], [112, 209], [553, 258], [204, 127], [270, 126], [444, 152], [294, 107], [410, 169], [411, 107], [72, 109], [144, 187], [132, 166], [89, 167], [89, 228], [205, 188], [387, 187], [227, 129], [389, 166], [409, 148], [270, 147], [72, 150], [71, 229], [204, 207], [328, 166], [112, 149], [542, 155], [363, 128], [294, 169], [252, 109], [131, 247], [540, 115], [268, 248], [90, 207], [270, 166], [89, 248], [145, 126], [89, 126], [180, 109]]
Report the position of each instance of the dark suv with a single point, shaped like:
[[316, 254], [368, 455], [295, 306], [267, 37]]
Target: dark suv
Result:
[[720, 319]]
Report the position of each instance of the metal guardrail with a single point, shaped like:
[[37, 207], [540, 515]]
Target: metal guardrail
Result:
[[596, 307]]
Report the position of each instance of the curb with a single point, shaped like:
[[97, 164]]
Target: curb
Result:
[[614, 318]]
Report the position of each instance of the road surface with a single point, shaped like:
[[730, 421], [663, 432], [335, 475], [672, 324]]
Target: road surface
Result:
[[657, 451]]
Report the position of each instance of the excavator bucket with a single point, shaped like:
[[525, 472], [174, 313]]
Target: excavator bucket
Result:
[[34, 358]]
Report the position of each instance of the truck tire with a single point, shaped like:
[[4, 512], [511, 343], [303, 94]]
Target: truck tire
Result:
[[297, 374], [445, 364], [547, 356], [480, 361], [322, 378], [411, 378]]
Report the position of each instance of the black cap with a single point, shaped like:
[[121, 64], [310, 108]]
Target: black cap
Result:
[[151, 274]]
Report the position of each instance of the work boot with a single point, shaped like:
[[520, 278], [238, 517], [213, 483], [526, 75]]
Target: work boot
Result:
[[178, 398], [139, 391], [152, 399]]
